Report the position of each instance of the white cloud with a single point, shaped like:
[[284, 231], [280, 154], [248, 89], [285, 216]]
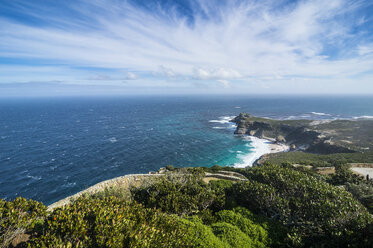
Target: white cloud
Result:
[[165, 72], [219, 74], [364, 50], [131, 76], [237, 41], [225, 83]]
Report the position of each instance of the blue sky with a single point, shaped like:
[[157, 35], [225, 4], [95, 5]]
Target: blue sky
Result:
[[82, 47]]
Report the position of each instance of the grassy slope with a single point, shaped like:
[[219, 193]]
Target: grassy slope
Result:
[[317, 160]]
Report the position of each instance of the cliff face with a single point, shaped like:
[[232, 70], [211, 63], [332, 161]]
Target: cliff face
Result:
[[323, 137]]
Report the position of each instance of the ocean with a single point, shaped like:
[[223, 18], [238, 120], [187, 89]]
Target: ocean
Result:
[[51, 148]]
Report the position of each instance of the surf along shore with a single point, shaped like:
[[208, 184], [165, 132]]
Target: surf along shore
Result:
[[260, 147]]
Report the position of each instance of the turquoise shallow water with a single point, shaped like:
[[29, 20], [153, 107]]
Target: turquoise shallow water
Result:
[[51, 148]]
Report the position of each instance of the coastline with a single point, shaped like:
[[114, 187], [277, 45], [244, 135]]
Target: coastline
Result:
[[260, 147]]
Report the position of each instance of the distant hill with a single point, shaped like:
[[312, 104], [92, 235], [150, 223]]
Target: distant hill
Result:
[[315, 136]]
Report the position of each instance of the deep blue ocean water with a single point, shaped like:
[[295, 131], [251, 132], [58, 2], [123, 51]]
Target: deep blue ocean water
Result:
[[52, 148]]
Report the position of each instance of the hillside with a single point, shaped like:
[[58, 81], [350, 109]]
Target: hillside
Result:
[[321, 136]]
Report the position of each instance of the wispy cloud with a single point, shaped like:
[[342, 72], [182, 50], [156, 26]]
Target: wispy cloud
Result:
[[230, 42]]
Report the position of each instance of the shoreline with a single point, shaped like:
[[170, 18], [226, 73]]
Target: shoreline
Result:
[[259, 148]]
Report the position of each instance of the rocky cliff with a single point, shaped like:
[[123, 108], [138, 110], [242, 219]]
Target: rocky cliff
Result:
[[322, 137]]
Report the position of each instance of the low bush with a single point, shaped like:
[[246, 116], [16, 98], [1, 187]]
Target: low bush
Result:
[[316, 210], [19, 216], [200, 235], [181, 194], [109, 222], [232, 235], [256, 232]]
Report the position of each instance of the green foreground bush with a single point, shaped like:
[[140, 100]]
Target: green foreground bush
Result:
[[276, 207], [316, 211]]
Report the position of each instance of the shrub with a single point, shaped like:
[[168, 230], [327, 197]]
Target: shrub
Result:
[[363, 191], [276, 232], [221, 199], [200, 235], [232, 235], [315, 209], [181, 194], [109, 222], [254, 231], [18, 216]]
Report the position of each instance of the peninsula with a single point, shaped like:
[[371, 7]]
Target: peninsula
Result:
[[313, 136]]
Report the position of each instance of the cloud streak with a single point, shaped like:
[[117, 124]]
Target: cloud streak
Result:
[[251, 41]]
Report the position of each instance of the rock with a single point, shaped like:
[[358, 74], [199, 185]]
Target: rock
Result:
[[19, 239], [240, 117], [252, 132], [260, 125], [259, 134], [280, 139], [162, 170], [293, 147], [240, 130]]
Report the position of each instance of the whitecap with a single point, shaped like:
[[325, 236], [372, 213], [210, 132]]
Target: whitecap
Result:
[[69, 185], [223, 119], [113, 140], [320, 113], [34, 177], [363, 117]]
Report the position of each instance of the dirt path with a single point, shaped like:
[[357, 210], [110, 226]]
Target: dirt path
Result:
[[363, 171]]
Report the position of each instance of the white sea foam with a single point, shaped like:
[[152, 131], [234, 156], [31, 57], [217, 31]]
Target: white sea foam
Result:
[[363, 117], [322, 114], [34, 177], [219, 127], [259, 148], [223, 119], [113, 140]]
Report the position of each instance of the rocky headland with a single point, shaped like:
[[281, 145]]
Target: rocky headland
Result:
[[314, 136]]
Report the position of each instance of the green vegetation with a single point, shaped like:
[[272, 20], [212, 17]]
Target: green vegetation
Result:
[[314, 210], [317, 160], [275, 206]]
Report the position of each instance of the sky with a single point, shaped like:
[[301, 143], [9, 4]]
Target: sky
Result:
[[84, 47]]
